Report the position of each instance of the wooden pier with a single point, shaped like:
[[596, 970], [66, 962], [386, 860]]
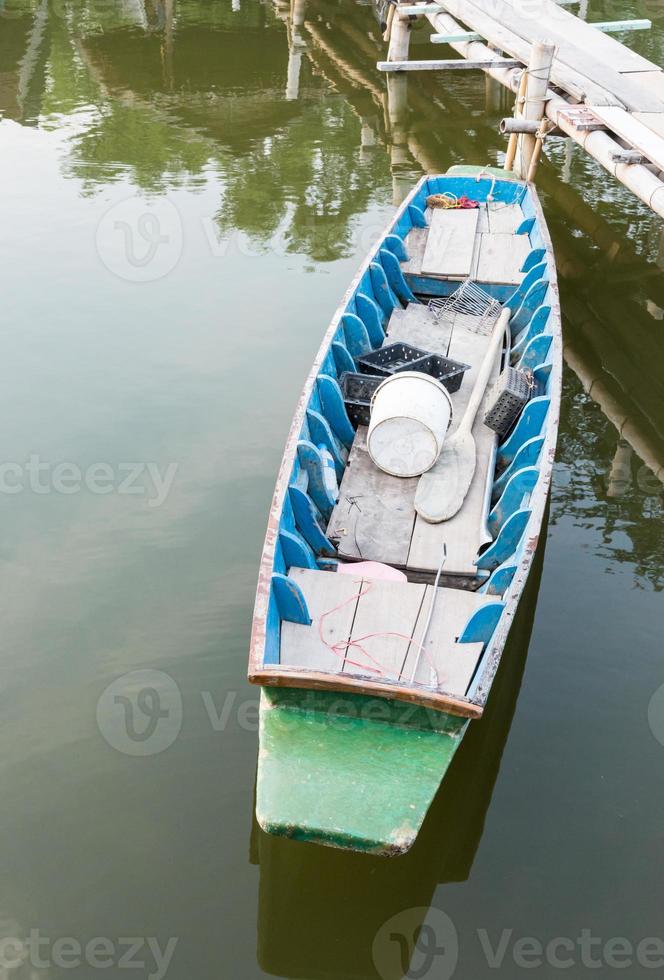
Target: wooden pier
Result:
[[570, 76]]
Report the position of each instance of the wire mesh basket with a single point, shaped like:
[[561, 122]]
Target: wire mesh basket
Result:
[[470, 301]]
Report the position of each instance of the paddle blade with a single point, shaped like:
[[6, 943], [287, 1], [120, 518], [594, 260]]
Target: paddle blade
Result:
[[442, 490]]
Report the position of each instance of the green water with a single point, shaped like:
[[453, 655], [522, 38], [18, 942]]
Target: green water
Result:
[[175, 234]]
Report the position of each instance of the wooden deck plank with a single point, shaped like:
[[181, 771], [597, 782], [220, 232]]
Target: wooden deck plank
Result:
[[593, 78], [301, 646], [451, 243], [654, 121], [373, 518], [584, 36], [386, 607], [483, 219], [501, 257], [454, 663], [652, 80], [463, 534], [415, 242], [503, 219], [634, 131], [417, 326], [595, 55]]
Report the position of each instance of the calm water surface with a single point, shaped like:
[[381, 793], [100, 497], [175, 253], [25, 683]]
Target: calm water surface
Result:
[[187, 188]]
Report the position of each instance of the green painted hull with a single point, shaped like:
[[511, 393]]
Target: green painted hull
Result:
[[350, 771]]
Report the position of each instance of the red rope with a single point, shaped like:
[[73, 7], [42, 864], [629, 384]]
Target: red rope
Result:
[[343, 645]]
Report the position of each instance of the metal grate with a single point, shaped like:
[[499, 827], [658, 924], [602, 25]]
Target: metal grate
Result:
[[469, 300]]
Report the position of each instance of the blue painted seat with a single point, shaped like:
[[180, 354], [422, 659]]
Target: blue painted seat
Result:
[[534, 274], [372, 317], [501, 579], [529, 425], [308, 522], [396, 245], [507, 541], [355, 333], [385, 298], [537, 325], [534, 257], [342, 358], [317, 486], [527, 455], [535, 351], [417, 216], [533, 298], [334, 409], [521, 483], [295, 550], [482, 623], [290, 600], [395, 277], [321, 433]]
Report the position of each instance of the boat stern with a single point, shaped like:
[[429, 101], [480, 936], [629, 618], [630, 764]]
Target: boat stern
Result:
[[350, 771]]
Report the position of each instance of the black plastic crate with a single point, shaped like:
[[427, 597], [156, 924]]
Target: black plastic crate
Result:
[[507, 399], [357, 391], [387, 360], [444, 369]]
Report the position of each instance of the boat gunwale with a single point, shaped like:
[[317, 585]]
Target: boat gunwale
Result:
[[491, 657], [259, 621], [280, 675]]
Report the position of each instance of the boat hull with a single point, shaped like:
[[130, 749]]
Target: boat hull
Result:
[[353, 760], [350, 771]]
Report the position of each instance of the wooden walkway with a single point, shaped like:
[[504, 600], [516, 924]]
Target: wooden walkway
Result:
[[605, 96]]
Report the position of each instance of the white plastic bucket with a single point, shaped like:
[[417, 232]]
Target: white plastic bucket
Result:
[[410, 415]]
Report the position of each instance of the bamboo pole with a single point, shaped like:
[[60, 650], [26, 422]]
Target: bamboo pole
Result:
[[399, 39], [539, 70], [511, 146]]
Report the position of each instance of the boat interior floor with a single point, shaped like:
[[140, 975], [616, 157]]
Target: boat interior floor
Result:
[[414, 632], [376, 628], [375, 518], [480, 243]]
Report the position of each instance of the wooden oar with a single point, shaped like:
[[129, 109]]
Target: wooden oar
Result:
[[442, 491]]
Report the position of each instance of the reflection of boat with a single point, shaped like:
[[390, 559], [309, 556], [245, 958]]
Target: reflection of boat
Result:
[[320, 909], [349, 756]]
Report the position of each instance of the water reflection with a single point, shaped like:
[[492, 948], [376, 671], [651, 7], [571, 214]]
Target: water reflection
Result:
[[320, 909]]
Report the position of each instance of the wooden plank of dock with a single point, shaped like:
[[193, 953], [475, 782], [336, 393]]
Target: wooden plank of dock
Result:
[[633, 130], [575, 69]]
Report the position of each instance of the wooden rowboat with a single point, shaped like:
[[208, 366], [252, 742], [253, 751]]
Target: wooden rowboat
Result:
[[376, 633]]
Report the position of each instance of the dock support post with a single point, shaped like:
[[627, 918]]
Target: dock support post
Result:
[[296, 47], [399, 39], [397, 99], [539, 69], [518, 111]]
